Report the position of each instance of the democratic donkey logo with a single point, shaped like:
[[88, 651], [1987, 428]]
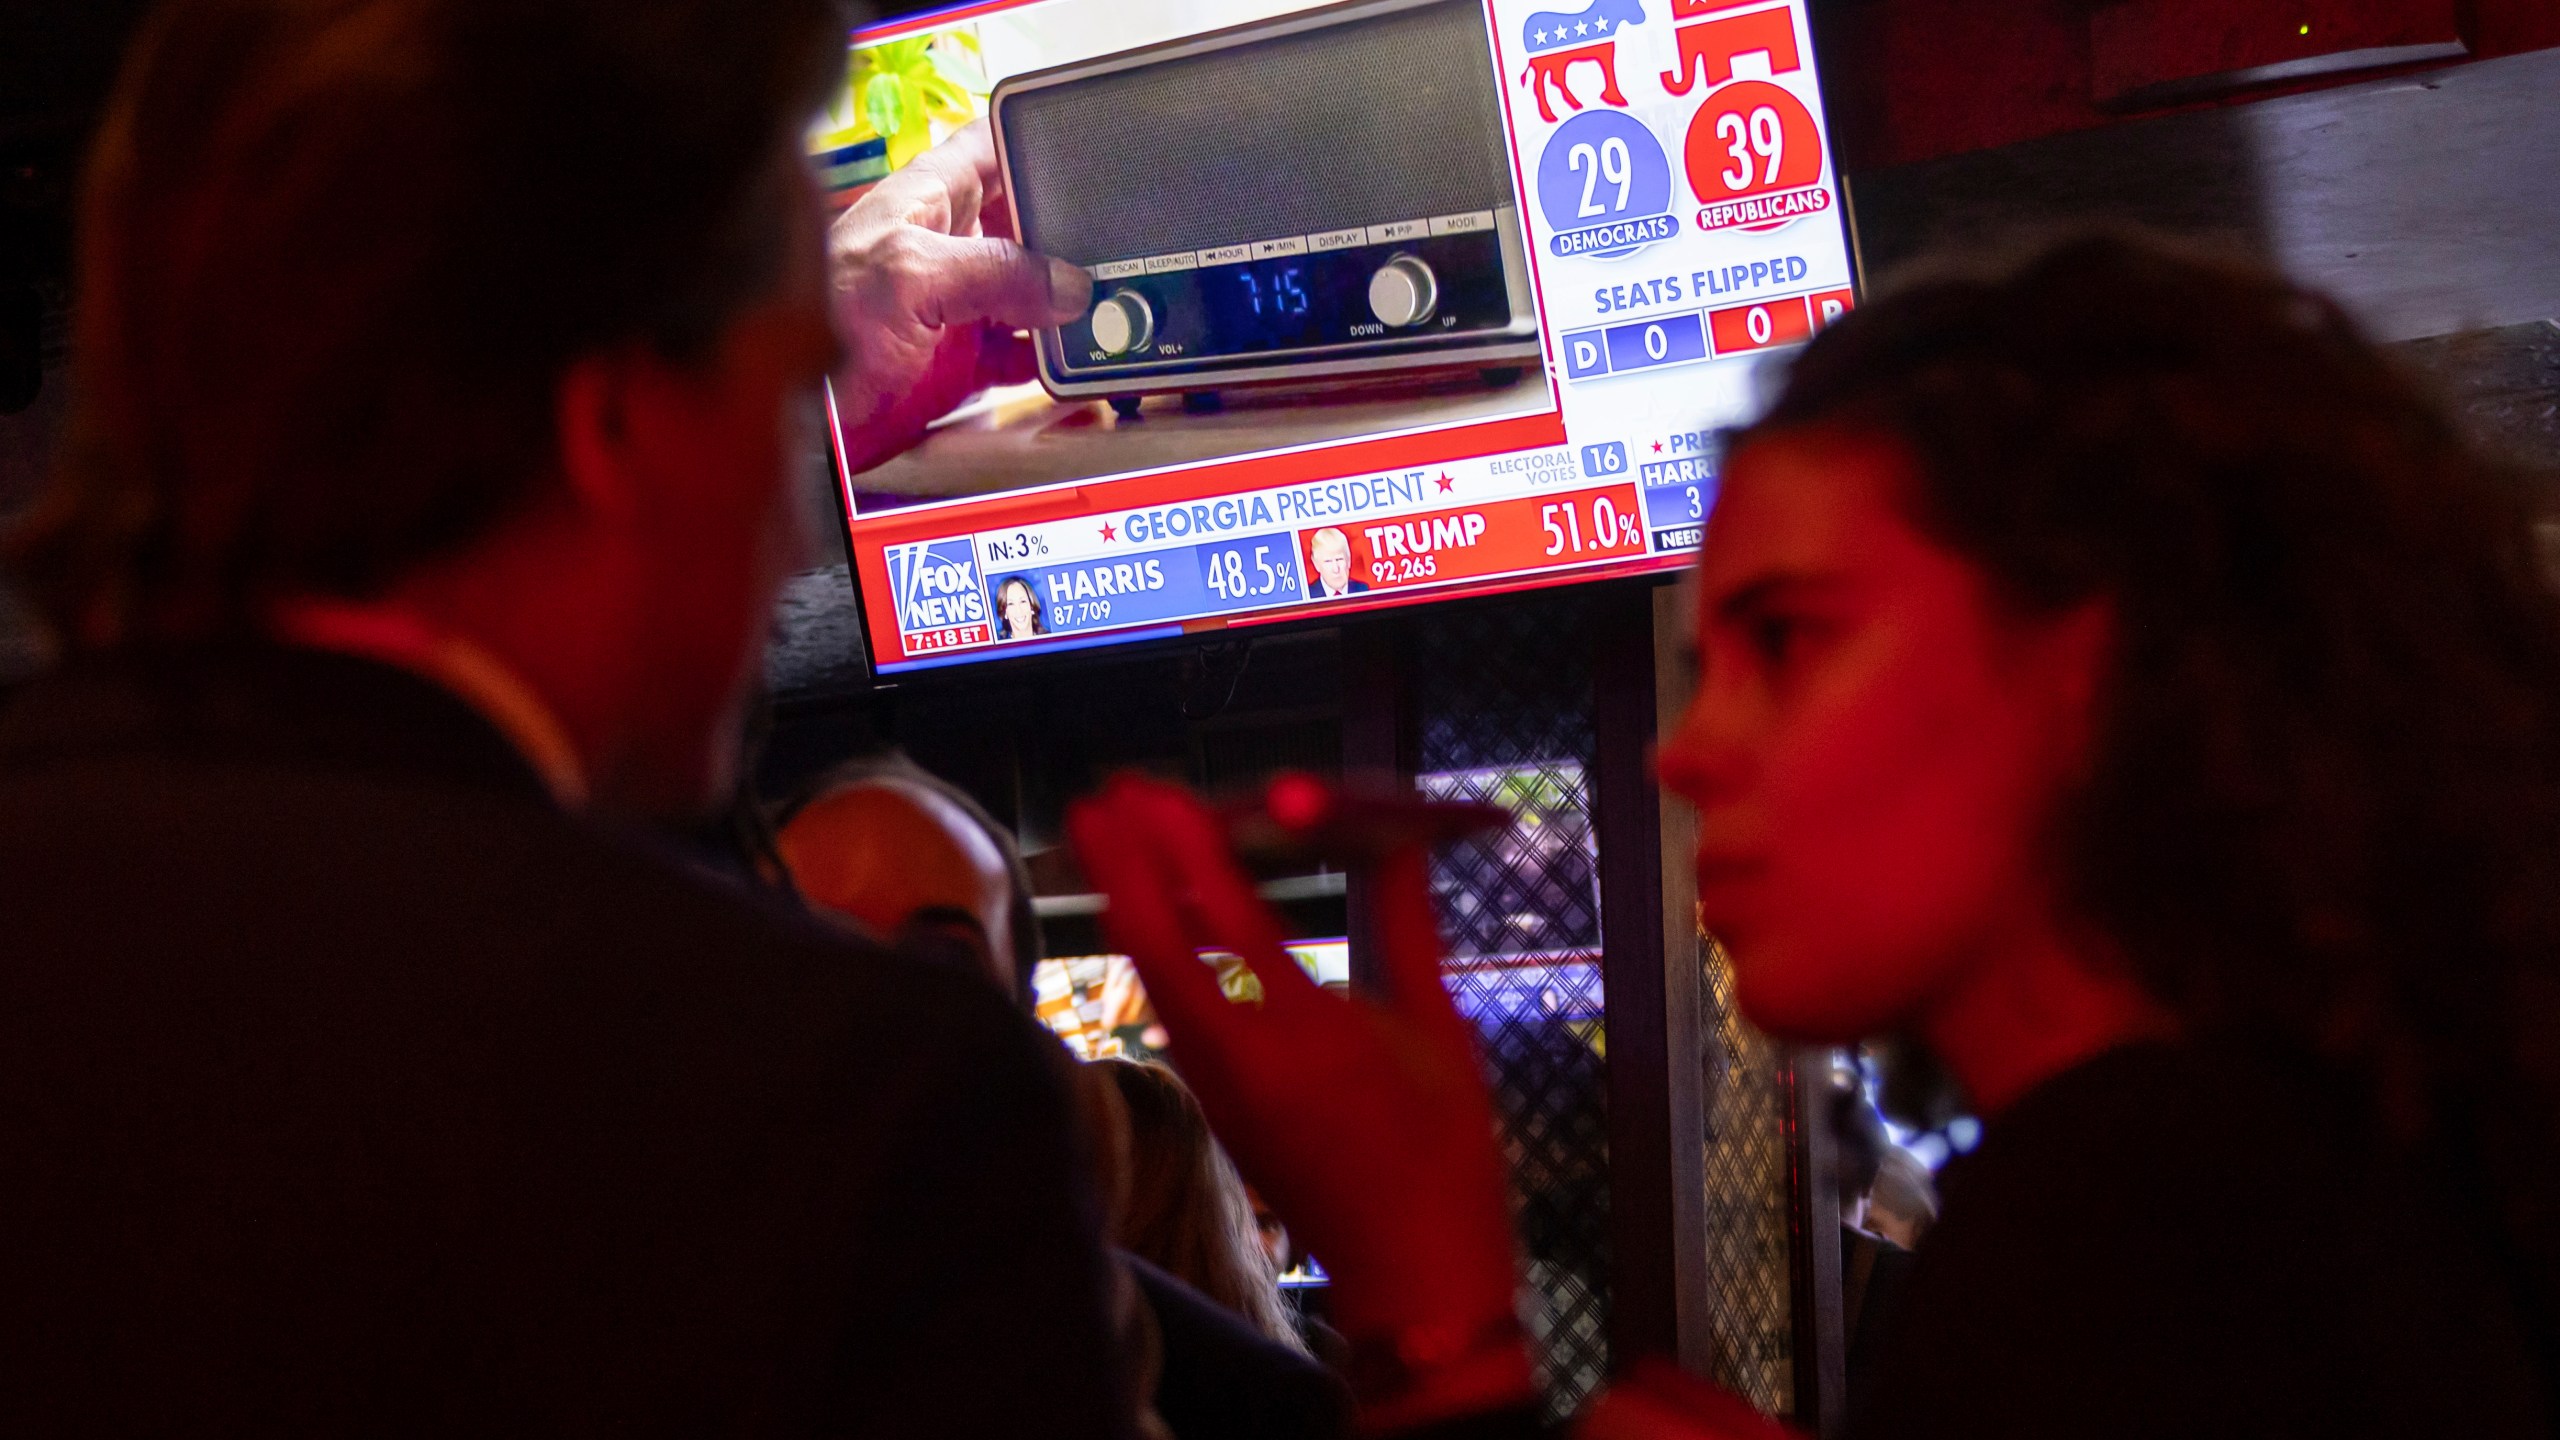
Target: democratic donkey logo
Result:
[[1556, 41]]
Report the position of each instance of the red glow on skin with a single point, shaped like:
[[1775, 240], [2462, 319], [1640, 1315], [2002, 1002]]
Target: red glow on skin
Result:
[[1874, 749]]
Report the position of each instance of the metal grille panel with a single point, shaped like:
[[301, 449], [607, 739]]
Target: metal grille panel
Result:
[[1375, 119], [1750, 1310], [1503, 707]]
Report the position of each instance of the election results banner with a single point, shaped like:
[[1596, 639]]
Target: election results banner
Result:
[[1681, 225]]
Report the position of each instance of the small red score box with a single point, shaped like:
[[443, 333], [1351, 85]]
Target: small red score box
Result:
[[1758, 327], [1830, 305], [1692, 9]]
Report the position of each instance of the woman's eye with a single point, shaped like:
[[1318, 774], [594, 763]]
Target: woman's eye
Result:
[[1771, 636]]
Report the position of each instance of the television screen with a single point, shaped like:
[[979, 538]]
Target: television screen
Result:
[[1394, 300], [1096, 1004]]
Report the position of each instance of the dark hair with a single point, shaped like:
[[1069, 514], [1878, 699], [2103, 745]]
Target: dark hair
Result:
[[335, 255], [1183, 1207], [2324, 806]]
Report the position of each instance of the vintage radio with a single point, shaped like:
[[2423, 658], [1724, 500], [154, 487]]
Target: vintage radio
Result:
[[1326, 194]]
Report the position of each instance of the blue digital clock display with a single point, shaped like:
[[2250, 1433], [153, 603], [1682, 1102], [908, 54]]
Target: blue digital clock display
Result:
[[1263, 306]]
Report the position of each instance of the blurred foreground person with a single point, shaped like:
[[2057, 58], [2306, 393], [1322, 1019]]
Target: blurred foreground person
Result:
[[2116, 674], [439, 369]]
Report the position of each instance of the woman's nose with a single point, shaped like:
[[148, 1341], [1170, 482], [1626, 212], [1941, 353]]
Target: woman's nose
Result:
[[1677, 767], [1700, 761]]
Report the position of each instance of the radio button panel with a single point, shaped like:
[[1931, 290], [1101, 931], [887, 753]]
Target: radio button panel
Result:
[[1272, 300]]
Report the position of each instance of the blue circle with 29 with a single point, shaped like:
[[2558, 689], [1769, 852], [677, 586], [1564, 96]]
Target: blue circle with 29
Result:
[[1601, 168]]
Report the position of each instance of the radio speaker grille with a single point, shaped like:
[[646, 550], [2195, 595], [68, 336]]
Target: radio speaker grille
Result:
[[1382, 117]]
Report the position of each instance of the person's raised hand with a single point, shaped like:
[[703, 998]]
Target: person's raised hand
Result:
[[1363, 1120], [931, 292]]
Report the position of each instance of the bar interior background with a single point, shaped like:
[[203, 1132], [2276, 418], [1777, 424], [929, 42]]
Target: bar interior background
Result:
[[1673, 1196]]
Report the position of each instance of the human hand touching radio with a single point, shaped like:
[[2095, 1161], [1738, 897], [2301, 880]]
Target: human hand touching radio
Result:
[[932, 294]]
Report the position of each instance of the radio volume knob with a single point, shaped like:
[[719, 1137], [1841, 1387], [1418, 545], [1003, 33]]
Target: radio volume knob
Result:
[[1403, 292], [1123, 323]]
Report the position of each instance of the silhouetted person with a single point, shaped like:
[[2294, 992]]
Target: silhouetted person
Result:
[[425, 500], [897, 850]]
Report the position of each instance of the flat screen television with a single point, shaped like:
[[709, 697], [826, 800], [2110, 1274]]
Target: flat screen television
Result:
[[1395, 300]]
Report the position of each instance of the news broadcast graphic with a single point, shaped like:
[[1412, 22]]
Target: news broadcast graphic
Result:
[[1477, 327]]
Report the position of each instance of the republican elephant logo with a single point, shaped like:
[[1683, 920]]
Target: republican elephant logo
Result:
[[1711, 47]]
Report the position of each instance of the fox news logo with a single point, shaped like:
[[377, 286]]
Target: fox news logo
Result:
[[936, 584]]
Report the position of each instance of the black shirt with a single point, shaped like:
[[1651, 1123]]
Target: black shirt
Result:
[[350, 1087], [1222, 1380], [2183, 1241]]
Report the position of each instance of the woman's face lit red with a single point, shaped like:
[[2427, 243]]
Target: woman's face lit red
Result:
[[1873, 748]]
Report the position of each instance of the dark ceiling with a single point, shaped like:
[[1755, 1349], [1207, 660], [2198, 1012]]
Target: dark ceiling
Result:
[[57, 59]]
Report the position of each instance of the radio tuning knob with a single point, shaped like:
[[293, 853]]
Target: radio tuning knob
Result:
[[1123, 323], [1403, 292]]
